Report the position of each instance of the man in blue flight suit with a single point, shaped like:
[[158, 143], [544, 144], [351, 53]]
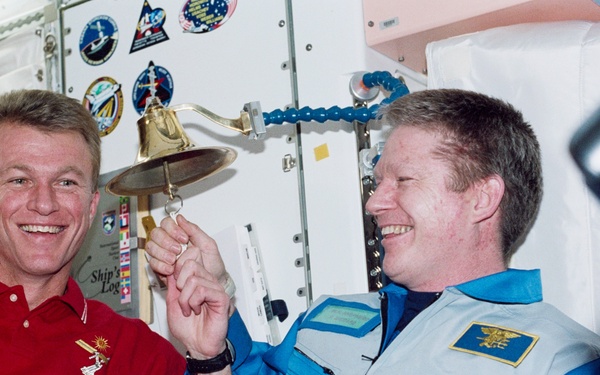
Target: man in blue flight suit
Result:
[[458, 184]]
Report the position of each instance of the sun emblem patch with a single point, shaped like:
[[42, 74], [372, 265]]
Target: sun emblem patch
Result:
[[495, 342], [101, 343]]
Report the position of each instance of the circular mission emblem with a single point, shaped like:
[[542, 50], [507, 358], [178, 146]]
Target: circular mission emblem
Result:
[[98, 40], [104, 100]]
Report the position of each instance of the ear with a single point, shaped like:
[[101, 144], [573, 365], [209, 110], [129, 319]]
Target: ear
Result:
[[94, 205], [488, 195]]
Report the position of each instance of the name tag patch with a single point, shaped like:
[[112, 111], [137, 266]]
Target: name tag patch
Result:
[[496, 342], [349, 318]]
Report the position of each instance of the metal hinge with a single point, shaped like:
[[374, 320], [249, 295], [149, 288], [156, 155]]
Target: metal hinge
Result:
[[288, 163]]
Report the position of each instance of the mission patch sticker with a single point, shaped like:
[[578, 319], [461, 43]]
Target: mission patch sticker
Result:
[[149, 30], [98, 40], [202, 16], [155, 81], [104, 100]]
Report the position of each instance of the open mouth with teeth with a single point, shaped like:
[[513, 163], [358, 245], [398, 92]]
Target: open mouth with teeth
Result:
[[395, 229], [52, 229]]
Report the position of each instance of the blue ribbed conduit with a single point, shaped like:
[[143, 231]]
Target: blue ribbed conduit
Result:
[[395, 86]]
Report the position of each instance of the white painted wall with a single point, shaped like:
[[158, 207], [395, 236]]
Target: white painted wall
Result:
[[220, 71], [242, 62]]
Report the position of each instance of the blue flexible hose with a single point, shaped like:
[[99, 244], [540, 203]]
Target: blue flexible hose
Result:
[[395, 86]]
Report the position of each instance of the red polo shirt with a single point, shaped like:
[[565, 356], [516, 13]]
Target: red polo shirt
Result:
[[72, 335]]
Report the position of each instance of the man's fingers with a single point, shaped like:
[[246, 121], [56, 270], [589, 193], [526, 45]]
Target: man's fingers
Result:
[[162, 268], [172, 291], [200, 295], [163, 245], [196, 235], [174, 230], [189, 269]]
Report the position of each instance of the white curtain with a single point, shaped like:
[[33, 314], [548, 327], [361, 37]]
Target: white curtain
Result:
[[22, 62], [551, 72]]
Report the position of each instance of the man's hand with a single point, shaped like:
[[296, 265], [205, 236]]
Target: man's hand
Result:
[[198, 310], [165, 247]]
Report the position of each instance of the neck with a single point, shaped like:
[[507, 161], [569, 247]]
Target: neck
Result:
[[480, 256], [37, 289], [460, 266]]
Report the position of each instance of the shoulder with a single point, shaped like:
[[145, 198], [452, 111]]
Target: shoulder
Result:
[[101, 315], [551, 319], [562, 340], [131, 344], [99, 312]]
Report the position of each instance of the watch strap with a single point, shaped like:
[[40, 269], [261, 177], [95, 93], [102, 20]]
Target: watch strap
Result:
[[207, 366]]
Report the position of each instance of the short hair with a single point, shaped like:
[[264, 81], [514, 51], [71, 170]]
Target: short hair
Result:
[[481, 136], [49, 111]]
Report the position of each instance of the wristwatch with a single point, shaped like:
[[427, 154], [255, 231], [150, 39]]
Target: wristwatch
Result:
[[206, 366]]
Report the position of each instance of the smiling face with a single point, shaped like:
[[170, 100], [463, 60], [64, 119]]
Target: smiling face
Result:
[[47, 201], [427, 229]]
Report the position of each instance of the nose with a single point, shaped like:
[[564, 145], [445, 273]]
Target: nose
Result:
[[43, 200], [380, 200]]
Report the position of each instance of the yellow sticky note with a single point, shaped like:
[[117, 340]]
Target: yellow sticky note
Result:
[[321, 152]]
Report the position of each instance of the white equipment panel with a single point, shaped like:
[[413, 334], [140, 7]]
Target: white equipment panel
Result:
[[244, 263], [244, 60], [249, 59]]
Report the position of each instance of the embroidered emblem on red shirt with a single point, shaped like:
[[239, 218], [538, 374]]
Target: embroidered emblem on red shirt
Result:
[[99, 359]]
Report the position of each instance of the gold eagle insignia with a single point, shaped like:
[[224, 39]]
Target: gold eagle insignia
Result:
[[496, 338]]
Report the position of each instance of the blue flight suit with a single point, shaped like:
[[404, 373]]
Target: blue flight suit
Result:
[[493, 325]]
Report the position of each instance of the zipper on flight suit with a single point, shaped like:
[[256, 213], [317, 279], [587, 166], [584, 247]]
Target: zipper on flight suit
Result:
[[384, 313], [326, 370]]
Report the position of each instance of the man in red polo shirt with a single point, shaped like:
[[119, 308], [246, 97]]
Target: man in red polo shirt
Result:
[[49, 168]]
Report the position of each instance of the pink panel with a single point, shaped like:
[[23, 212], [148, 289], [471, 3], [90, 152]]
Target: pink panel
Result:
[[401, 29]]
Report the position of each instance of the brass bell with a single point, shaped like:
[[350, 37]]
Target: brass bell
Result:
[[166, 157]]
